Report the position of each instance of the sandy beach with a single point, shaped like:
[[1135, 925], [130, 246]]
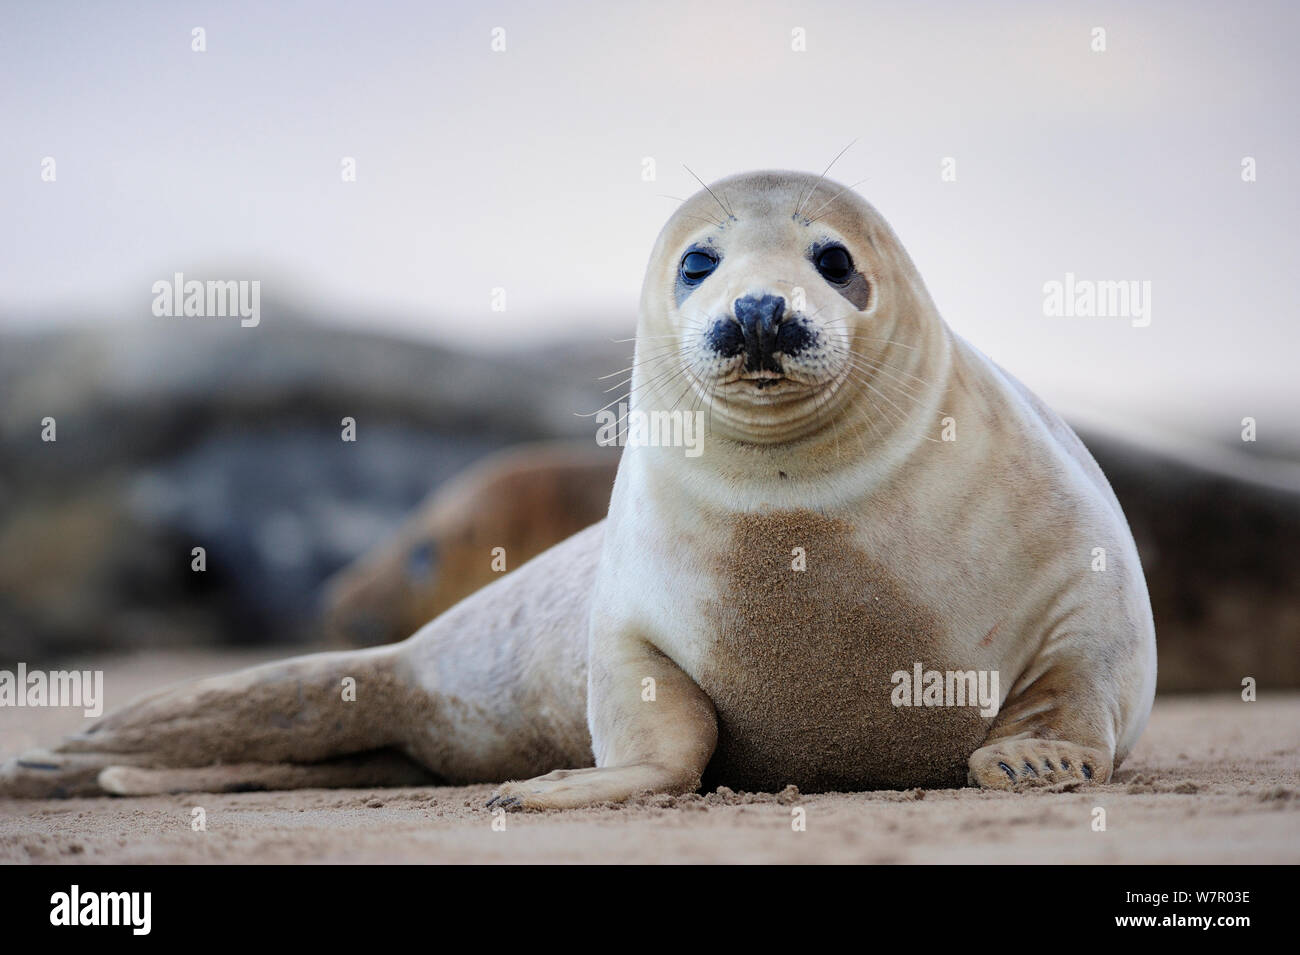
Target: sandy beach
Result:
[[1213, 780]]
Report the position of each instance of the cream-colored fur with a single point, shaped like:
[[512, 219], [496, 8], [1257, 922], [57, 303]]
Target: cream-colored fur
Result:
[[678, 642]]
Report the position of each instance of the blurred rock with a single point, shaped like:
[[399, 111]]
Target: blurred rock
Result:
[[176, 435], [1222, 565]]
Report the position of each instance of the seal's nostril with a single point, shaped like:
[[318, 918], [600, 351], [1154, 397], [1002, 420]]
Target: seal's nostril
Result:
[[759, 317], [759, 313]]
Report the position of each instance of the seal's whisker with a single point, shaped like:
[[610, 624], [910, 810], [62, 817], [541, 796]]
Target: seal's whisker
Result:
[[671, 351], [872, 373], [852, 420], [866, 364], [817, 214], [592, 414], [677, 372], [621, 384], [700, 395], [888, 418], [713, 394], [650, 362], [665, 377], [885, 341], [813, 189], [889, 341], [645, 338], [715, 222], [646, 360], [875, 372], [813, 315], [835, 426], [858, 431], [898, 391], [667, 341], [862, 412], [886, 365], [613, 373], [691, 382], [885, 398], [660, 348], [864, 381], [710, 192]]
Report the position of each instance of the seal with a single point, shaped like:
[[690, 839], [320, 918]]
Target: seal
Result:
[[516, 503], [891, 566]]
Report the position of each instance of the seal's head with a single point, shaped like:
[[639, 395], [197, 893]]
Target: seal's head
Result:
[[777, 296]]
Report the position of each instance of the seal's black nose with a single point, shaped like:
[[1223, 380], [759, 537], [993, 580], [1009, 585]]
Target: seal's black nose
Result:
[[759, 318]]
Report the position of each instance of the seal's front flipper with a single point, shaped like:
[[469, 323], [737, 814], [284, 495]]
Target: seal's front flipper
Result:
[[645, 742], [575, 788], [1025, 763], [1059, 724]]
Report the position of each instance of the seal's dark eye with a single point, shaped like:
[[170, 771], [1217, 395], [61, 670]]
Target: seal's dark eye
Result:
[[835, 265], [697, 265], [421, 560]]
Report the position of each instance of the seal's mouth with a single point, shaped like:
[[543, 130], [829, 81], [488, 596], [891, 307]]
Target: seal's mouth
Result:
[[764, 379], [779, 385]]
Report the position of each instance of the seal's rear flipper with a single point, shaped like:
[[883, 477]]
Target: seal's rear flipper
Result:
[[316, 718], [384, 768], [303, 710], [43, 774]]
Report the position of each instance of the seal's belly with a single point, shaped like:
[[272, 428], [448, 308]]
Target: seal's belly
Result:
[[799, 665]]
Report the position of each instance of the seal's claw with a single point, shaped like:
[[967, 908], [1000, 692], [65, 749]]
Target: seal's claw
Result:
[[502, 799], [1026, 763], [35, 764]]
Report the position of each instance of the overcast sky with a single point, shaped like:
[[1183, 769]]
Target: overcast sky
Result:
[[523, 169]]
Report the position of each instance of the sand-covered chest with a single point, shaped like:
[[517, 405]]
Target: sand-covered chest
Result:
[[801, 646]]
